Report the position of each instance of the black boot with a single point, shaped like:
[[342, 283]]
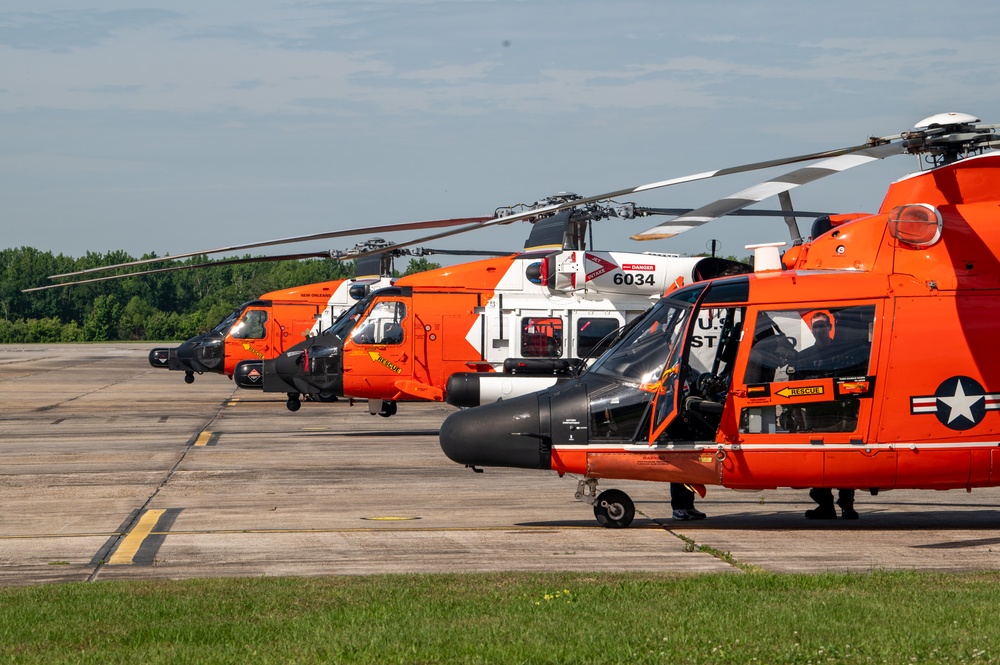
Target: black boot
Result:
[[825, 510], [846, 502]]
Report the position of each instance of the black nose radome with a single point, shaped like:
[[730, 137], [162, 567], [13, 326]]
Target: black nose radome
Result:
[[503, 433], [160, 357]]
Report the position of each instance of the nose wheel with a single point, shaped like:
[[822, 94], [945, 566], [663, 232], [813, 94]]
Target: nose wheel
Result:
[[294, 403], [188, 377], [614, 509]]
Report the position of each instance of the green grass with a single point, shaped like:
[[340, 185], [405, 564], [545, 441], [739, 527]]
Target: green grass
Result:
[[510, 618]]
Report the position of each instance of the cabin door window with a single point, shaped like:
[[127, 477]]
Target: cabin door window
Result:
[[808, 370], [541, 337], [594, 335]]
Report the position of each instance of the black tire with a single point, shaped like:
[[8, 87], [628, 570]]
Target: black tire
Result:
[[326, 397], [614, 509], [388, 409], [293, 405]]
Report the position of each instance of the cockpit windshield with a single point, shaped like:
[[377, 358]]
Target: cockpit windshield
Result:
[[223, 326], [640, 356], [346, 321]]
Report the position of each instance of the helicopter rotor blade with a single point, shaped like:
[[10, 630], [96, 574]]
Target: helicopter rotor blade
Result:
[[469, 222], [761, 191], [225, 262], [331, 254], [571, 203], [785, 200], [424, 251], [747, 212]]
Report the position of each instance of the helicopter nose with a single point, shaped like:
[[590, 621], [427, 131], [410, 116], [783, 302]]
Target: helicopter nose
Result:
[[286, 367], [506, 433], [203, 353], [160, 357], [314, 366]]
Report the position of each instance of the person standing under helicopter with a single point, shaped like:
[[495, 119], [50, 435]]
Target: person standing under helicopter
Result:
[[825, 509], [682, 503], [812, 362]]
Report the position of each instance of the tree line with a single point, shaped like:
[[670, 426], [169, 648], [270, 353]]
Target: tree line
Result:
[[166, 306]]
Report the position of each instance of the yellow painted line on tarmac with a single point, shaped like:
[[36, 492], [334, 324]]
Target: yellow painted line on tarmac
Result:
[[430, 529], [42, 536], [233, 401], [411, 529], [128, 548], [203, 438]]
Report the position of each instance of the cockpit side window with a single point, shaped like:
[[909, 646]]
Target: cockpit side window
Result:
[[383, 325], [251, 326]]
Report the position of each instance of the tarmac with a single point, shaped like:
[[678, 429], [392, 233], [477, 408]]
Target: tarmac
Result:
[[113, 470]]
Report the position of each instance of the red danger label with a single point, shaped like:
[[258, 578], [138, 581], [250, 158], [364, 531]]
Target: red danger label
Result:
[[644, 267]]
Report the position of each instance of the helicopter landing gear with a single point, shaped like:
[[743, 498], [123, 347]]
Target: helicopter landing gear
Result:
[[294, 402], [382, 407], [188, 377], [321, 397], [612, 508], [586, 490]]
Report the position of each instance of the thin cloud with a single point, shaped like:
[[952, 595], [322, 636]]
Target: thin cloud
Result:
[[67, 31]]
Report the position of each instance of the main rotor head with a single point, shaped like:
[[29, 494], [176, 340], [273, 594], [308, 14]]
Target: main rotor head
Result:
[[947, 137]]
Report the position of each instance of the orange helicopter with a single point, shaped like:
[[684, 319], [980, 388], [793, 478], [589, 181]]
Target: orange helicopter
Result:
[[536, 314], [864, 358], [277, 321], [265, 327], [257, 329]]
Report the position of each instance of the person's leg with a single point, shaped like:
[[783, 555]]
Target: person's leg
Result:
[[679, 501], [825, 510], [846, 502]]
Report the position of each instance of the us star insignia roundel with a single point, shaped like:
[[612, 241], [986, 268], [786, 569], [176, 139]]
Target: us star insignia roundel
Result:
[[960, 403]]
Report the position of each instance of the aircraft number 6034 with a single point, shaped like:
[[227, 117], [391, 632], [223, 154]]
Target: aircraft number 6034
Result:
[[629, 278]]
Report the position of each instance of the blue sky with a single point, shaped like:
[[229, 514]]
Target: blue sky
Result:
[[172, 127]]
